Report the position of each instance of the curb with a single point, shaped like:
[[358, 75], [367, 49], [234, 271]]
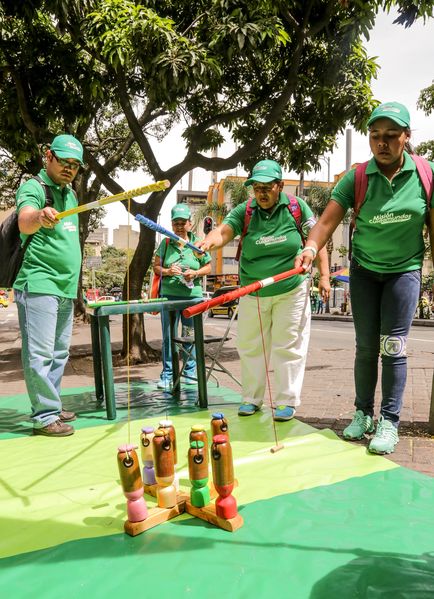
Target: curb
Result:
[[417, 322]]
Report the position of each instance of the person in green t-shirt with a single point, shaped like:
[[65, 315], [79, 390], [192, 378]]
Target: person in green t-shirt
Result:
[[181, 270], [46, 284], [385, 272], [276, 318]]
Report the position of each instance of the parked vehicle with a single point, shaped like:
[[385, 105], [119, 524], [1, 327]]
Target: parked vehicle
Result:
[[228, 308], [92, 294], [106, 298], [117, 293]]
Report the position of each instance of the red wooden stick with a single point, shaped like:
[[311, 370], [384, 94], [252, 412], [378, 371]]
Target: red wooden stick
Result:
[[231, 295]]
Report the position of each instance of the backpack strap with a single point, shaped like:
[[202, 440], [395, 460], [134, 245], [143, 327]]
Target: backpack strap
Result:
[[361, 182], [295, 210], [247, 218], [426, 178], [360, 188], [49, 201], [162, 258]]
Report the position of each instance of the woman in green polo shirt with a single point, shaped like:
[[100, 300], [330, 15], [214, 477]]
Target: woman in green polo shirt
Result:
[[274, 323], [181, 270], [387, 255]]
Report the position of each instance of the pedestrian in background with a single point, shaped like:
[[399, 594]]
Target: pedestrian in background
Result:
[[46, 285], [385, 272], [276, 318]]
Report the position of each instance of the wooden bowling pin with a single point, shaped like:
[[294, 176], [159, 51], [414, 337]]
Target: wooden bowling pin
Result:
[[219, 425], [132, 484], [198, 471], [168, 425], [146, 437], [164, 464], [198, 433], [223, 476]]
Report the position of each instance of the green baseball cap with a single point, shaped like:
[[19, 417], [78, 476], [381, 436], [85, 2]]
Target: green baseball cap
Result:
[[66, 146], [181, 211], [394, 111], [265, 171]]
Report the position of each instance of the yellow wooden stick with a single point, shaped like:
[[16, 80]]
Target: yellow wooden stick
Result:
[[125, 195]]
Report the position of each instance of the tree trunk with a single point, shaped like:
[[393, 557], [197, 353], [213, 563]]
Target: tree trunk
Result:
[[79, 305], [134, 337]]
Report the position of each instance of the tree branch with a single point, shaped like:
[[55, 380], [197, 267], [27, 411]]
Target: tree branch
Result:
[[22, 103], [136, 128]]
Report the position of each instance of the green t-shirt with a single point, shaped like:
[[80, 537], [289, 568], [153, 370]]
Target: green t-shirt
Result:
[[170, 253], [52, 260], [389, 227], [271, 244]]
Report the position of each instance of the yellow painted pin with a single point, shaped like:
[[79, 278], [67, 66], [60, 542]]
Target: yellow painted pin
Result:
[[125, 195]]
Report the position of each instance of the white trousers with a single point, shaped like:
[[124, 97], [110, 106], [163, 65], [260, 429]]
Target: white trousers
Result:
[[283, 344]]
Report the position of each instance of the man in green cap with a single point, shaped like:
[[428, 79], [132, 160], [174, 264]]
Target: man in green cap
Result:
[[181, 270], [277, 318], [46, 284]]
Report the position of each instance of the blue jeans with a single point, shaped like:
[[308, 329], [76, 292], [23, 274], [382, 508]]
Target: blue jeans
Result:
[[187, 330], [46, 328], [383, 306]]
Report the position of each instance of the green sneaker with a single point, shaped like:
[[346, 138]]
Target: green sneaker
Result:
[[385, 438], [360, 425]]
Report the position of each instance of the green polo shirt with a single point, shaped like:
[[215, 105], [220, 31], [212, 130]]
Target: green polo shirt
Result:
[[271, 244], [389, 227], [187, 259], [52, 260]]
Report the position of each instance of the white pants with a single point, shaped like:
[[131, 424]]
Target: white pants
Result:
[[285, 321]]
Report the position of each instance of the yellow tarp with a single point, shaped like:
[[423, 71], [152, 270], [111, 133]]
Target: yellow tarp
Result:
[[57, 490]]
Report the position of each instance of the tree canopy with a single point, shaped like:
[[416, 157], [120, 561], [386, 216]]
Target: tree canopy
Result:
[[281, 78]]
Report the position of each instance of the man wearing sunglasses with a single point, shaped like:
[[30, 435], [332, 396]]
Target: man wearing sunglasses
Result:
[[46, 284]]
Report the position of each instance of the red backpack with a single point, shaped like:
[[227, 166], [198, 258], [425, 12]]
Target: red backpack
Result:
[[294, 210], [156, 280], [361, 181]]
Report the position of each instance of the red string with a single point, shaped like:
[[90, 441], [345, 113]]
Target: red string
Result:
[[267, 373]]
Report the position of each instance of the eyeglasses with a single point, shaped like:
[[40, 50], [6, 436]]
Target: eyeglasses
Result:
[[72, 165], [263, 188]]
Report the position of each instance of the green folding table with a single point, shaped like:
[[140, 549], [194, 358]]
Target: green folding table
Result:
[[102, 350]]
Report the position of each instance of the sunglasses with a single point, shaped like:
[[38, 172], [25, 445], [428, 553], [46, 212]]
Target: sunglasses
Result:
[[72, 165], [263, 188]]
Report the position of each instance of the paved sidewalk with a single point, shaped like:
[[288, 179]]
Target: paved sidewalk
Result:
[[328, 391]]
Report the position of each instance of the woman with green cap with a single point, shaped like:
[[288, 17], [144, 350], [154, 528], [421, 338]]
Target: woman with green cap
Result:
[[385, 273], [181, 270], [274, 324]]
